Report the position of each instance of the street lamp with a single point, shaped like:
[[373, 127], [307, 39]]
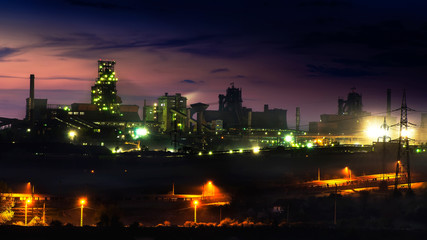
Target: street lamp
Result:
[[82, 203], [28, 201], [195, 203], [348, 172], [210, 185]]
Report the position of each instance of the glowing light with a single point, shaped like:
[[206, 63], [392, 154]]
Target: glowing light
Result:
[[288, 138], [72, 134], [256, 150], [240, 150], [374, 132], [210, 182], [407, 133], [309, 145], [141, 132], [231, 151], [200, 153], [28, 201], [82, 203], [210, 153], [195, 202]]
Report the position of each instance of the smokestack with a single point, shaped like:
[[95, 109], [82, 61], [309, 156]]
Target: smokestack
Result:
[[144, 112], [30, 100], [265, 107], [388, 103], [249, 120], [298, 115], [32, 86]]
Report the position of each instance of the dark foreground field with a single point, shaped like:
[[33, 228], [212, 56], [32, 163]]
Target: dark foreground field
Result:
[[257, 183], [234, 233]]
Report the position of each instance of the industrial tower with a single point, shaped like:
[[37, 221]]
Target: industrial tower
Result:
[[104, 92], [403, 148]]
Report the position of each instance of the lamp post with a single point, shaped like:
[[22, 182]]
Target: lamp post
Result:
[[82, 203], [210, 185], [28, 201], [195, 203]]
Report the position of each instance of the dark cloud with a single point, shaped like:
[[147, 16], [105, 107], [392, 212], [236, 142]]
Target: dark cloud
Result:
[[387, 34], [6, 51], [8, 76], [65, 78], [391, 59], [220, 70], [216, 52], [239, 76], [324, 70], [96, 4], [83, 45], [188, 81], [324, 3]]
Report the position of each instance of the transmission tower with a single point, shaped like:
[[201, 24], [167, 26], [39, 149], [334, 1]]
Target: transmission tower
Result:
[[403, 147]]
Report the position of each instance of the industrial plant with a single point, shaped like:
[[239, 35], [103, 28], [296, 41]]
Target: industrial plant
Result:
[[106, 146], [174, 126]]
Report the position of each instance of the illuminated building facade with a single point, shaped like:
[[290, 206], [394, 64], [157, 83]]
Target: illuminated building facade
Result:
[[172, 112], [104, 92]]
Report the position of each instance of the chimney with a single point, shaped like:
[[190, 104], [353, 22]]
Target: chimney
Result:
[[32, 86], [30, 100], [297, 115], [265, 107]]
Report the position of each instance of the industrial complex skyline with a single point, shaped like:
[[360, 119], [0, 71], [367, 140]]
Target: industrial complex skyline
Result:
[[296, 54]]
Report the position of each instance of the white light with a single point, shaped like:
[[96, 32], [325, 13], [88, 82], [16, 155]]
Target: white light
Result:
[[141, 132]]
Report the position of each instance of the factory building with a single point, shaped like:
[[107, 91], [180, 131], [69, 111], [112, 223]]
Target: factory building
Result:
[[352, 125], [234, 116], [35, 108], [104, 92], [172, 112], [350, 118], [99, 120], [105, 108]]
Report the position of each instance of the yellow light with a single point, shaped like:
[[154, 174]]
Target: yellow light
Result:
[[72, 134], [29, 201], [82, 201], [210, 182], [141, 132], [195, 202], [210, 153], [256, 150], [231, 151], [200, 153], [374, 132]]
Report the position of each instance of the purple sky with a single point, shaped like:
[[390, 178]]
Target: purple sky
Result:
[[283, 53]]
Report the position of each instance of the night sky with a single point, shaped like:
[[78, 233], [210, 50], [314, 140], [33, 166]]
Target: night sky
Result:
[[283, 53]]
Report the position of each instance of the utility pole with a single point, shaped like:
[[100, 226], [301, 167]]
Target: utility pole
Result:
[[44, 213], [403, 140]]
